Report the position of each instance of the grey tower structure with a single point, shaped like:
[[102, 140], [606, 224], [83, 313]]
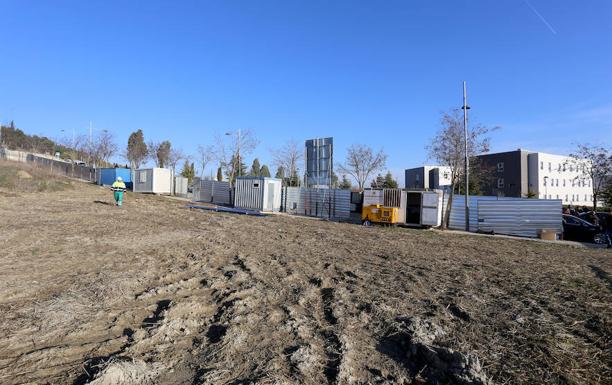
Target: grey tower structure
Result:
[[319, 162]]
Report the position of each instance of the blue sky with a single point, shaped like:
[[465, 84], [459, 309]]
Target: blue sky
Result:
[[374, 72]]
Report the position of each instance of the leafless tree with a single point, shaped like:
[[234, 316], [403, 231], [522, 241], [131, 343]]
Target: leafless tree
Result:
[[595, 166], [362, 162], [175, 156], [104, 146], [206, 154], [447, 148], [231, 153], [288, 158]]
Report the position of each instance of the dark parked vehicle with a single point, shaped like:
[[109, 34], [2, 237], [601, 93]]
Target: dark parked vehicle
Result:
[[601, 216], [576, 229]]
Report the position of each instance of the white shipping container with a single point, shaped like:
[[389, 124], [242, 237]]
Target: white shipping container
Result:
[[153, 180]]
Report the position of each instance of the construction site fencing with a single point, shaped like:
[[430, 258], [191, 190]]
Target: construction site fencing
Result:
[[212, 191], [64, 168], [506, 215], [323, 203]]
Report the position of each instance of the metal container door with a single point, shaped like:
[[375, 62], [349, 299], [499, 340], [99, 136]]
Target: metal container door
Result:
[[270, 189], [429, 209]]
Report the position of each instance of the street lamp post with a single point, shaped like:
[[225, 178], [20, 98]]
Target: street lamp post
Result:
[[237, 148], [466, 159]]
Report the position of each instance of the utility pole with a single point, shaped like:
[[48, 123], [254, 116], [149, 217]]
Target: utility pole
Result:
[[238, 147], [466, 160]]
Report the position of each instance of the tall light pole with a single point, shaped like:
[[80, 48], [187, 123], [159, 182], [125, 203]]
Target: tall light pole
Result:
[[237, 148], [466, 159]]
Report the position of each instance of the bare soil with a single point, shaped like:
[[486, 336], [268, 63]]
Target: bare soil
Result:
[[155, 293]]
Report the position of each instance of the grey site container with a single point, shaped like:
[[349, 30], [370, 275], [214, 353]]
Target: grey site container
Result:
[[153, 180], [212, 191], [323, 203], [258, 193]]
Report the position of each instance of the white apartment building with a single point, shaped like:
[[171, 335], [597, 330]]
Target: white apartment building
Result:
[[556, 177]]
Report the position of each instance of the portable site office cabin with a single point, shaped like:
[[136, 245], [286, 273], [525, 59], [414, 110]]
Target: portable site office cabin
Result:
[[257, 193], [107, 176], [153, 180]]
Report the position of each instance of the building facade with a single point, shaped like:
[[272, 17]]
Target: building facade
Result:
[[504, 173], [555, 177], [518, 173], [431, 177]]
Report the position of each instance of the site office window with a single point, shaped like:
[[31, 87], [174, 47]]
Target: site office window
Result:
[[500, 167], [500, 182]]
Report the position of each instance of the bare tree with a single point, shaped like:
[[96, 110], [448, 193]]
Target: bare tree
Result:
[[104, 146], [175, 156], [595, 166], [231, 153], [288, 158], [447, 148], [362, 162], [206, 154]]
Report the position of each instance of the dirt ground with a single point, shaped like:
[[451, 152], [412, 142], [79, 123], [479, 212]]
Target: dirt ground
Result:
[[155, 293]]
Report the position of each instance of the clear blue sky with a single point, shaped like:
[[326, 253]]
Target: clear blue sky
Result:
[[375, 72]]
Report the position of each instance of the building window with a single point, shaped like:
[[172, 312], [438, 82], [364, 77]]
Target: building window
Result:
[[142, 177], [564, 183], [500, 167], [557, 182], [559, 167], [549, 166], [585, 197], [500, 182], [564, 168], [545, 179], [577, 197], [541, 165], [417, 177], [566, 197], [557, 196]]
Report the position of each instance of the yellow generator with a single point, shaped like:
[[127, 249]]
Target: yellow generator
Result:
[[379, 214]]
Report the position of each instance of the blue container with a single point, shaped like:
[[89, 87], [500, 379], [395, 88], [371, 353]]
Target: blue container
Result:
[[108, 176]]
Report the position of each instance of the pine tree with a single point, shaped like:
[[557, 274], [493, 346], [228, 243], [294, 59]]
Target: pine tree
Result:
[[265, 172], [188, 171], [255, 168], [280, 173], [219, 174], [389, 181], [345, 184], [136, 149]]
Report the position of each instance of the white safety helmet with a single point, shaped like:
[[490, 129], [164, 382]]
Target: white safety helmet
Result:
[[119, 179]]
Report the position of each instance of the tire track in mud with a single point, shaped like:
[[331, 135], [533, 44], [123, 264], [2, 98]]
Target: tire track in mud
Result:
[[333, 347], [93, 366]]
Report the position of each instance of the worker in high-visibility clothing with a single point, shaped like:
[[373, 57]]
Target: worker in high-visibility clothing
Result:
[[118, 189]]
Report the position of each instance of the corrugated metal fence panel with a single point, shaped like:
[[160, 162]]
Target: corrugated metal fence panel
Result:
[[457, 213], [323, 203], [521, 217], [212, 191], [221, 192]]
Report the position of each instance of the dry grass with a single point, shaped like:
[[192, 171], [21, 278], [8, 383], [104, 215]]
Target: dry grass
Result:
[[25, 178], [157, 293]]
